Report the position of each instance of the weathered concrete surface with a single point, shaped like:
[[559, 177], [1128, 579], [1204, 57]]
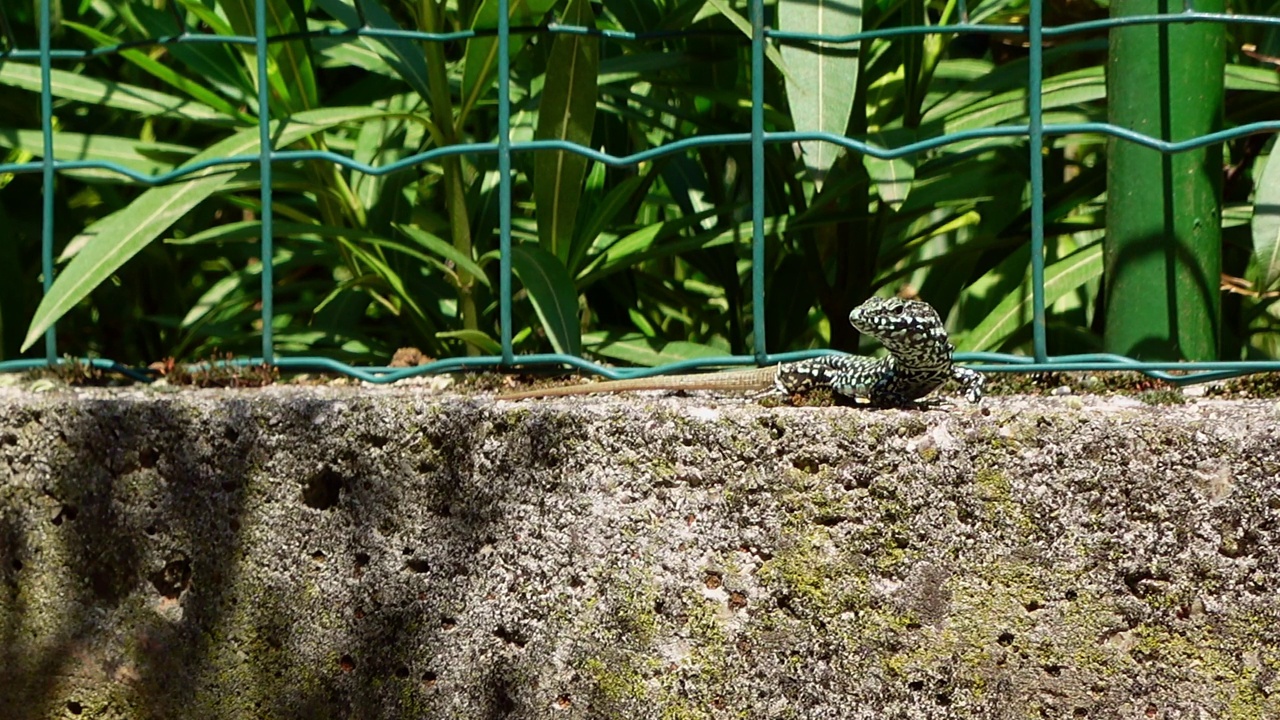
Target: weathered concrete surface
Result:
[[303, 552]]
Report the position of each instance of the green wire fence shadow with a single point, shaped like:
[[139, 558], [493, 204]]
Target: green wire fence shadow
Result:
[[760, 38]]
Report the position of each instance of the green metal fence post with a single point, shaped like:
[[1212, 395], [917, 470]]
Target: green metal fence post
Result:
[[1163, 249], [47, 180]]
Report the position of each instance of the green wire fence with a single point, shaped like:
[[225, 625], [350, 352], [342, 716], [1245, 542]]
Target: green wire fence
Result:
[[756, 137]]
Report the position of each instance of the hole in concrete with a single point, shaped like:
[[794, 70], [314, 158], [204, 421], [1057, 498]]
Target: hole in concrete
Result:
[[915, 686], [417, 565], [712, 581], [805, 465], [1071, 595], [346, 663], [1052, 670], [737, 601], [68, 513], [230, 433], [322, 489], [942, 699], [173, 578], [1006, 639], [318, 556], [150, 530], [74, 707], [362, 559], [510, 636], [503, 701], [1032, 606], [448, 623], [429, 678], [147, 457], [402, 672]]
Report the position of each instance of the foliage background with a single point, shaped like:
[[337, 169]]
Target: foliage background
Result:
[[646, 264]]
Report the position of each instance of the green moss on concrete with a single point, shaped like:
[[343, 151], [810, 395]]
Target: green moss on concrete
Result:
[[816, 575]]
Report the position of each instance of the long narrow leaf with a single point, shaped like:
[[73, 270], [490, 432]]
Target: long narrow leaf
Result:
[[402, 54], [121, 96], [744, 26], [637, 349], [486, 344], [111, 241], [480, 62], [567, 112], [1014, 312], [145, 157], [163, 73], [290, 76], [553, 295], [1266, 223], [821, 78], [442, 248]]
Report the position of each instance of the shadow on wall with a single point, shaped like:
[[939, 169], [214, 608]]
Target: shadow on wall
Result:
[[158, 559]]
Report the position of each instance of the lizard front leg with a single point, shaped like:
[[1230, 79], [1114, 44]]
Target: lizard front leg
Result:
[[971, 382]]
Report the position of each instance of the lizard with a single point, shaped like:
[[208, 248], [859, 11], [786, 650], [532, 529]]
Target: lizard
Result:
[[918, 361]]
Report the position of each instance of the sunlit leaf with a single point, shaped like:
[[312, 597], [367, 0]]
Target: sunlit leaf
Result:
[[1266, 223], [111, 241], [567, 112], [822, 78], [1014, 312]]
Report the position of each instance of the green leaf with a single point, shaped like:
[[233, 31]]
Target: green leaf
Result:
[[164, 73], [604, 212], [553, 295], [122, 96], [1014, 312], [486, 344], [152, 158], [636, 15], [637, 349], [567, 112], [892, 178], [1266, 223], [821, 78], [442, 248], [289, 71], [980, 110], [744, 26], [213, 62], [643, 244], [111, 241], [402, 54], [480, 62]]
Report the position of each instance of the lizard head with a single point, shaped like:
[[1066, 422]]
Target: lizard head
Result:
[[906, 328]]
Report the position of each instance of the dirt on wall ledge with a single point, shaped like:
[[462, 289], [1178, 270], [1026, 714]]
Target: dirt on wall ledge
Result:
[[300, 552]]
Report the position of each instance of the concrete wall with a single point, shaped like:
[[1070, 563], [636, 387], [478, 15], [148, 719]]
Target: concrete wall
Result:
[[334, 553]]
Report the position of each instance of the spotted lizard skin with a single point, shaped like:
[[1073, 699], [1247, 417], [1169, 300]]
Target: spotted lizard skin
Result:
[[919, 358]]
